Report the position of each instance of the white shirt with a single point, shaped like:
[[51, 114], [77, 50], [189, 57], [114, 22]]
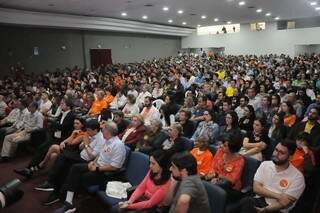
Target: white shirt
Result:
[[96, 144], [152, 115], [141, 97], [133, 92], [22, 116], [45, 106], [33, 121], [113, 153], [130, 109], [289, 181], [13, 115], [240, 111]]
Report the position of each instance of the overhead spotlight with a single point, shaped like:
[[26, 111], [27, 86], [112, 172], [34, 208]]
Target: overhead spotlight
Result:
[[170, 21], [268, 14], [184, 23], [165, 8], [216, 19], [313, 3], [199, 25], [180, 11], [123, 14], [144, 17], [241, 3], [203, 17], [229, 22], [259, 10], [277, 18], [317, 8]]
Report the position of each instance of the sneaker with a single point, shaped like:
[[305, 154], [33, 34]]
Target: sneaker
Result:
[[27, 173], [66, 208], [53, 198], [45, 186]]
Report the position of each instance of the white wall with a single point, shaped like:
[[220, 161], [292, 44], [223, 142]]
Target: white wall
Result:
[[268, 41]]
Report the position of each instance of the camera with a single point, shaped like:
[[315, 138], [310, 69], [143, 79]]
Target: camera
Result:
[[10, 193]]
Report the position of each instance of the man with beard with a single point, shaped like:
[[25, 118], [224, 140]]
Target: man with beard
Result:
[[149, 111], [188, 193], [312, 127], [278, 183]]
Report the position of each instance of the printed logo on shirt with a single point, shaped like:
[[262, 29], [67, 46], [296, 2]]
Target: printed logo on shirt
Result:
[[229, 168], [108, 149], [283, 183]]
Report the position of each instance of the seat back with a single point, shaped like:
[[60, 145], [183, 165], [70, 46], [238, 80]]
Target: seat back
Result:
[[158, 103], [137, 168], [250, 167], [217, 197]]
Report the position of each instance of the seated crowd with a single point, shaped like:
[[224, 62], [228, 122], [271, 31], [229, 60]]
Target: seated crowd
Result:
[[198, 118]]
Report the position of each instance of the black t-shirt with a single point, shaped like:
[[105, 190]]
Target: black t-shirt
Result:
[[257, 139]]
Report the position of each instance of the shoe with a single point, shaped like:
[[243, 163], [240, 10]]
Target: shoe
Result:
[[27, 173], [53, 198], [45, 186], [66, 208], [4, 159]]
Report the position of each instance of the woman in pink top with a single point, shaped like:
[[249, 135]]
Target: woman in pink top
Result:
[[151, 192]]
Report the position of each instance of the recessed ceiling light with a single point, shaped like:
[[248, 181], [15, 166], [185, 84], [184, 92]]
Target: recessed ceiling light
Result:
[[241, 3], [184, 23], [199, 25], [317, 8], [268, 14], [313, 3], [203, 17], [165, 8], [180, 11], [170, 21], [259, 10], [229, 22], [277, 18], [216, 19], [124, 14], [144, 17]]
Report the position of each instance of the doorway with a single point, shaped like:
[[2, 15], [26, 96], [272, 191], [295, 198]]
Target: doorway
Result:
[[100, 57]]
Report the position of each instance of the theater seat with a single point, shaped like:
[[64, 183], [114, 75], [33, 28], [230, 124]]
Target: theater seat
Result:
[[217, 197], [250, 167], [138, 166]]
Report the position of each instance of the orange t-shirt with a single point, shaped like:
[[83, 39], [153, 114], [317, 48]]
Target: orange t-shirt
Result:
[[108, 99], [204, 160], [97, 106], [232, 170], [297, 159], [289, 120], [75, 136]]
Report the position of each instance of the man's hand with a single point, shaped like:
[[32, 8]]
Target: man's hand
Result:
[[62, 145], [92, 166], [123, 205], [285, 200]]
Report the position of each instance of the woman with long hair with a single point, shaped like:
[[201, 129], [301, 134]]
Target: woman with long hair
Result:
[[289, 114], [150, 193]]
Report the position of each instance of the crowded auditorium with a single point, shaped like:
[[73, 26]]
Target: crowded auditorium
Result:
[[117, 106]]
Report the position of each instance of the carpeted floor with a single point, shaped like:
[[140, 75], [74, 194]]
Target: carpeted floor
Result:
[[31, 201]]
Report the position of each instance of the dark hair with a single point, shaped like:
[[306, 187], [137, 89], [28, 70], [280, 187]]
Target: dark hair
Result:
[[290, 108], [185, 160], [234, 116], [162, 159], [118, 113], [246, 99], [34, 105], [234, 141], [24, 102], [187, 112], [212, 114], [93, 124], [304, 137], [82, 121], [68, 102], [291, 145], [262, 121], [131, 98], [277, 97], [251, 109]]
